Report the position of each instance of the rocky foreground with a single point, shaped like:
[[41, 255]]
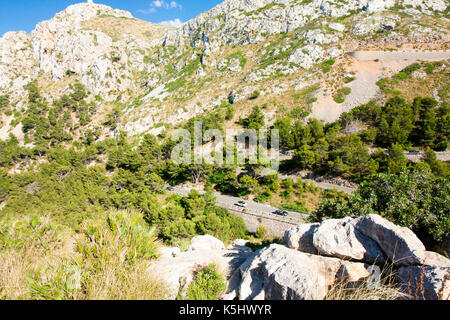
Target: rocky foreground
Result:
[[314, 258]]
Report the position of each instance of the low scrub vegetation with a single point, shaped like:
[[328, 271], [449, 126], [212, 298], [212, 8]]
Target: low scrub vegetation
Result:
[[106, 259], [415, 199], [208, 284], [337, 149]]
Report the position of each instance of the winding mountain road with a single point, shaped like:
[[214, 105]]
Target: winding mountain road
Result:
[[255, 209]]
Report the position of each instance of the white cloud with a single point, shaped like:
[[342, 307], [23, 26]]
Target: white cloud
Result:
[[172, 23], [157, 4]]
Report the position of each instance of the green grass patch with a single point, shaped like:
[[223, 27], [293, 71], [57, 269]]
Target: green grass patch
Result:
[[326, 65], [209, 284]]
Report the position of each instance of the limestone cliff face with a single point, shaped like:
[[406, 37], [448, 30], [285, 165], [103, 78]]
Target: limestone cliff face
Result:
[[17, 66], [59, 44], [65, 45], [240, 22]]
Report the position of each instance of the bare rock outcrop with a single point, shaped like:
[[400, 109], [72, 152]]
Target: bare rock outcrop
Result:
[[425, 283], [301, 238], [280, 273], [17, 66], [206, 243], [177, 269], [400, 244], [240, 22], [300, 271], [375, 241], [339, 238]]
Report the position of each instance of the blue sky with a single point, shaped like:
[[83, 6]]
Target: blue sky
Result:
[[23, 15]]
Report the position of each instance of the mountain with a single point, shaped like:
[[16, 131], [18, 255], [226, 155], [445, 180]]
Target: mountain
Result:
[[85, 39], [163, 75], [357, 89]]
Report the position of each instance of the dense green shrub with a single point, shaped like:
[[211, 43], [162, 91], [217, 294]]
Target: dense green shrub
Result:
[[261, 232], [196, 214], [209, 284], [254, 121], [396, 126], [415, 199], [53, 125]]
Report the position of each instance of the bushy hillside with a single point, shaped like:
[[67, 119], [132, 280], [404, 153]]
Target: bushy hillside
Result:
[[358, 90]]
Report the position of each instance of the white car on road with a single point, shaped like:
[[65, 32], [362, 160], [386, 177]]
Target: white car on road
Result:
[[241, 204]]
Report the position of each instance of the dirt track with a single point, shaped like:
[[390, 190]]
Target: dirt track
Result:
[[369, 67]]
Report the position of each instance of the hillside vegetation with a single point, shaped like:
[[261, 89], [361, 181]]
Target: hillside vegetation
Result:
[[90, 101]]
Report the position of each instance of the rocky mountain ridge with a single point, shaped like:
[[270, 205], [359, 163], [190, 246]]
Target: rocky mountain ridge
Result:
[[64, 45], [240, 22], [244, 45]]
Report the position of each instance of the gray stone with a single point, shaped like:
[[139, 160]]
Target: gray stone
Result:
[[338, 238], [398, 243], [301, 238], [169, 252], [206, 242], [435, 5], [280, 273], [337, 27], [317, 36], [432, 259], [425, 283]]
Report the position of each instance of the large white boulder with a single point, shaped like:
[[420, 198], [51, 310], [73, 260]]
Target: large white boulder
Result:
[[205, 242], [177, 272], [338, 238], [280, 273], [17, 65], [400, 244]]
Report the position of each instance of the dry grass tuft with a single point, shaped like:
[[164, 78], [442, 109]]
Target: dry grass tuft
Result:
[[385, 290], [108, 261]]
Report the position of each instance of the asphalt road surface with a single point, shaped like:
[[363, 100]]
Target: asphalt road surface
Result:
[[253, 208]]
